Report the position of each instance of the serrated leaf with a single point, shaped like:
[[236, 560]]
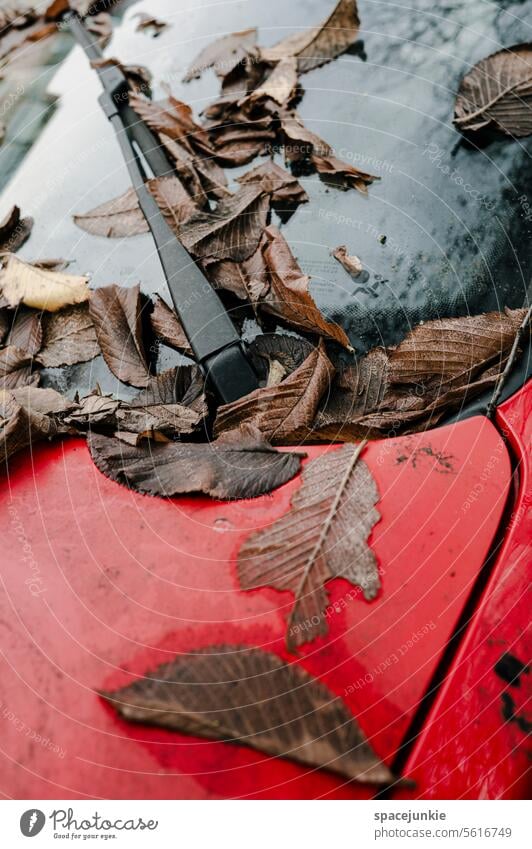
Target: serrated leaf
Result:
[[69, 337], [233, 231], [281, 411], [498, 92], [223, 55], [222, 470], [116, 314], [287, 295], [248, 696], [26, 331], [16, 368], [321, 44], [167, 327], [323, 536]]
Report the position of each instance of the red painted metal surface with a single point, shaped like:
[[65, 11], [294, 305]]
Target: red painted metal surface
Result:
[[474, 743], [99, 583]]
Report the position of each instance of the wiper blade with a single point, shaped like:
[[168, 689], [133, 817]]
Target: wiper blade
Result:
[[212, 335]]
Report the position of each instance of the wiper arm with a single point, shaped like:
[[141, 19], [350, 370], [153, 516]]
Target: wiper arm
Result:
[[212, 335]]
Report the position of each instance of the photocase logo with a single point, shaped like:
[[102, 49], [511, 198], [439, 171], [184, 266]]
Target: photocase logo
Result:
[[32, 822]]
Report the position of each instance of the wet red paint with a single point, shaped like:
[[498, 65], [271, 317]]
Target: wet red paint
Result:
[[468, 749], [122, 582]]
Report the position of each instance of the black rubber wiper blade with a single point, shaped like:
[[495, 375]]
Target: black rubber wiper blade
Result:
[[212, 335]]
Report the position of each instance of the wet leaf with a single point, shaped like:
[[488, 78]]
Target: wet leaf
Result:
[[16, 368], [281, 83], [22, 283], [138, 76], [352, 264], [202, 178], [497, 92], [167, 327], [224, 471], [29, 414], [300, 143], [249, 696], [94, 409], [284, 190], [116, 314], [172, 403], [342, 175], [321, 44], [233, 231], [289, 351], [26, 331], [281, 411], [433, 371], [323, 536], [173, 118], [115, 218], [242, 134], [287, 295], [224, 54], [14, 231], [69, 337]]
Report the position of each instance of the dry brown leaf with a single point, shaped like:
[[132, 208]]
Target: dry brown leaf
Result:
[[280, 412], [167, 327], [172, 403], [16, 368], [223, 471], [287, 296], [323, 536], [233, 231], [280, 84], [248, 696], [224, 54], [115, 218], [284, 190], [439, 365], [116, 314], [22, 283], [28, 414], [497, 92], [338, 173], [321, 44], [14, 231], [26, 331], [352, 264], [69, 337], [173, 118]]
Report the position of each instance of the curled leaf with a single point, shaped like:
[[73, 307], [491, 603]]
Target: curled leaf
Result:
[[323, 536], [497, 92], [352, 264], [22, 283], [224, 54], [245, 695], [321, 44], [14, 231], [287, 295]]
